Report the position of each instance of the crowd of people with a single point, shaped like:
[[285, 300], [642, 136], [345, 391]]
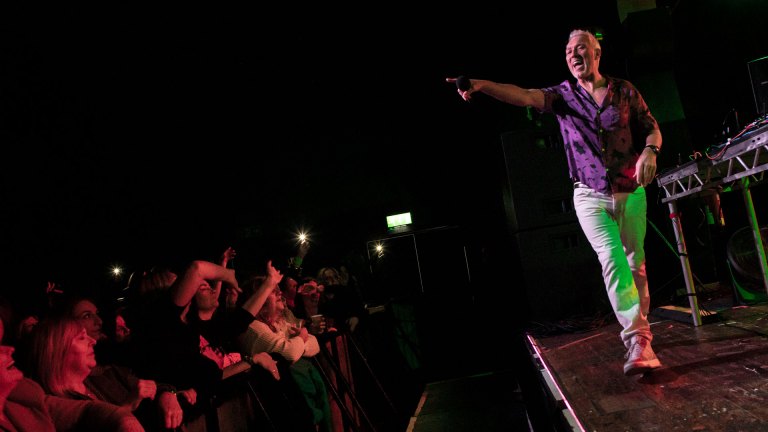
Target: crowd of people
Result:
[[155, 358]]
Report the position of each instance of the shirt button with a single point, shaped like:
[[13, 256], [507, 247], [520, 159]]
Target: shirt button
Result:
[[602, 131]]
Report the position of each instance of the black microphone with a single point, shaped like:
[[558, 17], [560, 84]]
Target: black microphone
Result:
[[463, 83]]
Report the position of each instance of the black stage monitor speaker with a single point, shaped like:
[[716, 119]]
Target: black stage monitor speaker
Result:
[[540, 192], [560, 276], [560, 273]]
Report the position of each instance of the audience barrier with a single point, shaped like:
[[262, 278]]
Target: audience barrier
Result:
[[250, 399]]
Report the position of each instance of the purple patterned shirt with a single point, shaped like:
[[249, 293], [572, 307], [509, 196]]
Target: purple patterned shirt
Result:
[[598, 140]]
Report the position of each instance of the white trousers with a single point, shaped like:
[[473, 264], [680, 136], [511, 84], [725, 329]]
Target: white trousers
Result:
[[615, 226]]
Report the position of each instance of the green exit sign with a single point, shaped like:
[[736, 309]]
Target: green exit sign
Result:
[[399, 220]]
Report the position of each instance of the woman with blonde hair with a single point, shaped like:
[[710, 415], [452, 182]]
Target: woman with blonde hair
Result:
[[61, 356], [62, 360], [24, 407], [278, 332]]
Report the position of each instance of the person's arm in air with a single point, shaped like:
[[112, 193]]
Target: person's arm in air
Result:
[[232, 292], [508, 93], [197, 274], [254, 303]]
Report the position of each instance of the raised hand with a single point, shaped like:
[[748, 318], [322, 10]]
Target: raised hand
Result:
[[303, 249], [232, 292], [53, 288], [227, 256], [274, 275]]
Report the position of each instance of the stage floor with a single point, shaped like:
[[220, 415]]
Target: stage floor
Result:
[[713, 377]]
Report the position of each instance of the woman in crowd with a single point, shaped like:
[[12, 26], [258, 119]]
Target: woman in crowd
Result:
[[273, 333], [118, 384], [24, 407], [62, 359]]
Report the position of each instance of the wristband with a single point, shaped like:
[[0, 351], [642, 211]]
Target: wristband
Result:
[[654, 148]]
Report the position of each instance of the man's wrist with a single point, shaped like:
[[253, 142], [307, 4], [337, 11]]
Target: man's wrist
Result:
[[654, 148]]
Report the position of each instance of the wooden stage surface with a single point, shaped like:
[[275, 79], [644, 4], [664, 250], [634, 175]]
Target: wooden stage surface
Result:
[[713, 377]]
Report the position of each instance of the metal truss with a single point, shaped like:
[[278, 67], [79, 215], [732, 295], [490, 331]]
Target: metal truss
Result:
[[739, 158]]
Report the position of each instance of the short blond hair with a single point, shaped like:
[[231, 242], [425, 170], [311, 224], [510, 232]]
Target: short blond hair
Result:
[[592, 39]]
